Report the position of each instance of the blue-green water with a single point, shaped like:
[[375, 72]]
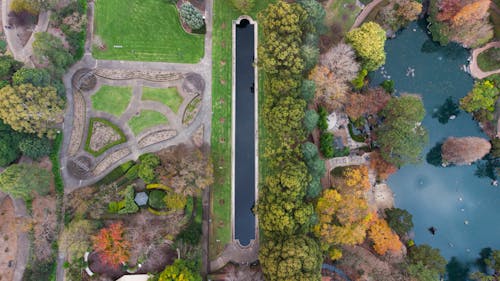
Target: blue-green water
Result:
[[464, 208]]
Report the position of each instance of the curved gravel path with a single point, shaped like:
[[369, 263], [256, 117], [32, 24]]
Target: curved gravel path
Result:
[[475, 71]]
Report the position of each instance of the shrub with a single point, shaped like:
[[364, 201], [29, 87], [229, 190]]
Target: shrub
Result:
[[358, 138], [314, 188], [36, 76], [310, 120], [175, 201], [191, 234], [34, 147], [191, 16], [244, 6], [359, 81], [54, 158], [117, 173], [316, 167], [156, 199], [388, 85], [326, 145], [322, 121], [309, 151], [132, 173], [310, 54]]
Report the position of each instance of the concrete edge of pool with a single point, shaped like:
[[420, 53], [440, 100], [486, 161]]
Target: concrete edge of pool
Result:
[[252, 243]]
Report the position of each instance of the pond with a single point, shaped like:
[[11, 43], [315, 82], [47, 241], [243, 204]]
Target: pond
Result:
[[462, 207], [244, 134]]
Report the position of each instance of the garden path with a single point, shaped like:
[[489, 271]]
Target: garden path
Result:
[[475, 71], [364, 13]]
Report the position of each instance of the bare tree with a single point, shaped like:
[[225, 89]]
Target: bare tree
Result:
[[341, 60], [465, 150]]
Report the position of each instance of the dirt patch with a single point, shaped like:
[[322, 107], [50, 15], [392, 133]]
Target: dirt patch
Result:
[[102, 135], [44, 226], [9, 230]]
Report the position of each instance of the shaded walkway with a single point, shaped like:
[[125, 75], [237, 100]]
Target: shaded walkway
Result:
[[364, 13]]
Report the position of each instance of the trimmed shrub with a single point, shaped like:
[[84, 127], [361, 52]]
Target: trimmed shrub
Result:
[[132, 173], [244, 6], [156, 199], [117, 173], [191, 16], [322, 121], [388, 86]]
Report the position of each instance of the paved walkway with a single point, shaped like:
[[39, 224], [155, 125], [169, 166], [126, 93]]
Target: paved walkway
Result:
[[236, 254], [364, 13], [20, 52], [475, 71]]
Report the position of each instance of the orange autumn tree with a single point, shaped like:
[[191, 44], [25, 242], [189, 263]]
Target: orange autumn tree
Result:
[[383, 238], [383, 168], [111, 246], [471, 12]]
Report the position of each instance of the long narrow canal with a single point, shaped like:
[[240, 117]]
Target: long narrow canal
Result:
[[244, 219]]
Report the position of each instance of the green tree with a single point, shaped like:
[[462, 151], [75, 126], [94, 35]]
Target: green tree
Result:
[[483, 96], [244, 6], [191, 16], [402, 137], [8, 65], [307, 90], [38, 77], [309, 151], [311, 120], [399, 220], [326, 145], [147, 164], [23, 180], [314, 188], [292, 258], [50, 49], [31, 109], [368, 40], [180, 270], [421, 273], [34, 147], [75, 239], [430, 258], [310, 55], [315, 14], [9, 148]]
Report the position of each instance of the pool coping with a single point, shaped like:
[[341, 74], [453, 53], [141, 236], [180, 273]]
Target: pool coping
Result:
[[256, 126]]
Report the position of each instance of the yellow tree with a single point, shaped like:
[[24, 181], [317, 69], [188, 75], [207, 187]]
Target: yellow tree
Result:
[[30, 109], [330, 92], [383, 238], [368, 40]]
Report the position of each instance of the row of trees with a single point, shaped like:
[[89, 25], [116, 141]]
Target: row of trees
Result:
[[287, 252]]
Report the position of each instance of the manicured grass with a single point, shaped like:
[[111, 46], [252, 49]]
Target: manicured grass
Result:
[[111, 99], [220, 228], [340, 16], [489, 60], [168, 96], [146, 30], [146, 119]]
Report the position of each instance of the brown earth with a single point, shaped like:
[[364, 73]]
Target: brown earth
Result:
[[9, 229]]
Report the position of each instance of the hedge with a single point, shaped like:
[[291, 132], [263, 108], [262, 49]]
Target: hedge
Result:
[[117, 173], [56, 170], [109, 145]]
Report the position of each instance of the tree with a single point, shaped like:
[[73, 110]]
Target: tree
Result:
[[369, 103], [310, 54], [31, 109], [50, 49], [8, 65], [191, 16], [310, 120], [383, 238], [292, 258], [368, 40], [483, 96], [111, 246], [34, 147], [383, 168], [421, 273], [399, 220], [29, 6], [465, 150], [244, 6], [24, 181], [180, 270], [75, 239], [279, 51], [9, 148], [38, 77], [401, 137], [307, 90], [186, 169], [330, 92], [315, 13], [430, 258], [341, 60]]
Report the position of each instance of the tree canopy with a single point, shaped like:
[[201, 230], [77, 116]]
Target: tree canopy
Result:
[[24, 180], [401, 136], [462, 151], [31, 109], [180, 270], [368, 40]]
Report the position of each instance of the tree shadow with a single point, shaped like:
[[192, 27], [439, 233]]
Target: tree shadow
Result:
[[446, 111]]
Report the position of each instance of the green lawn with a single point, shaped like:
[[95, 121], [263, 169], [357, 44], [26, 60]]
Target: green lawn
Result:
[[168, 96], [146, 119], [489, 60], [111, 99], [221, 122], [146, 30], [340, 16]]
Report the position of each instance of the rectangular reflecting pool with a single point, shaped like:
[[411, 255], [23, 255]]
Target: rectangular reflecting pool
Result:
[[244, 134]]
